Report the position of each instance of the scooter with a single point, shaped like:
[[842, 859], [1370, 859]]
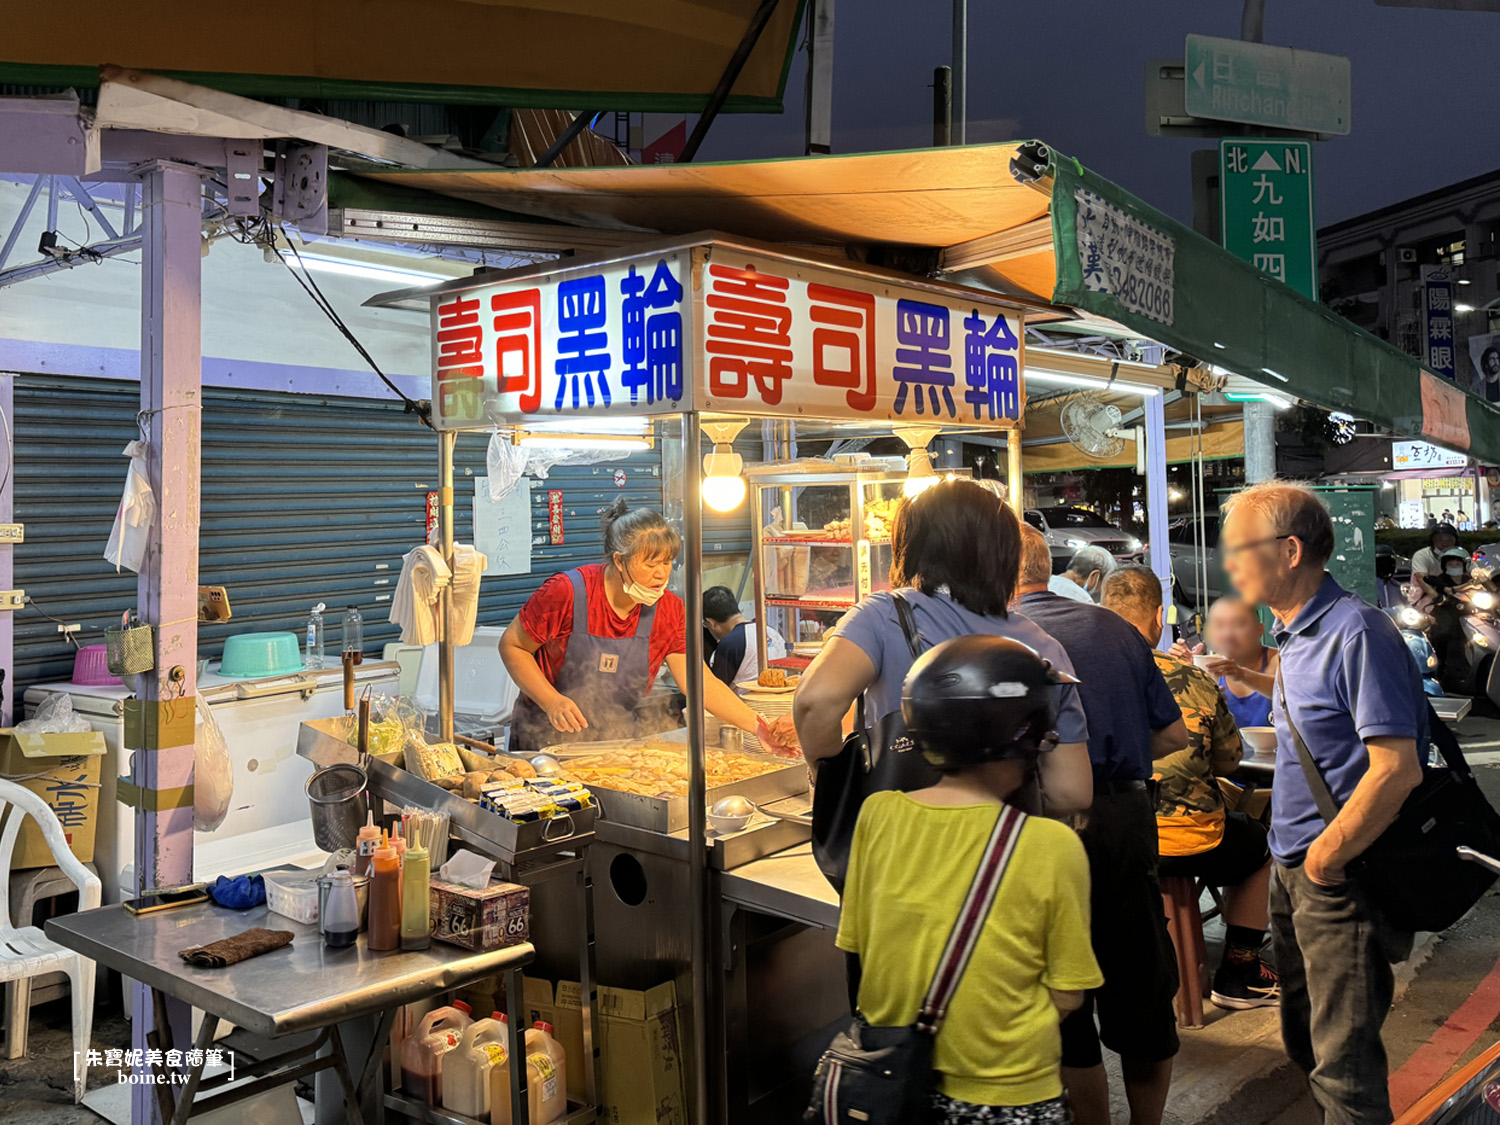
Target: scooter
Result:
[[1414, 624]]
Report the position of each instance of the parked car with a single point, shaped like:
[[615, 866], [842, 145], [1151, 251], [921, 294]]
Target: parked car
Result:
[[1186, 542], [1068, 528]]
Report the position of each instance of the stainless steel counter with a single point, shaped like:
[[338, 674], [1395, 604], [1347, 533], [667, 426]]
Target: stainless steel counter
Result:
[[301, 987], [787, 885]]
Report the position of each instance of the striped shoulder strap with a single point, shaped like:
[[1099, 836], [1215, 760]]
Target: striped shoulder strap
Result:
[[971, 918]]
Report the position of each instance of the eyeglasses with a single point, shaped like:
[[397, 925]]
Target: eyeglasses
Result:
[[1230, 552]]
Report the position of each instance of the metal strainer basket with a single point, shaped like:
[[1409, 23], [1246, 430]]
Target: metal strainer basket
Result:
[[129, 649], [336, 795]]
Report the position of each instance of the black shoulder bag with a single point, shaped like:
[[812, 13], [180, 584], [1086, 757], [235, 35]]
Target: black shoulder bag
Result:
[[883, 1075], [1412, 873], [872, 761]]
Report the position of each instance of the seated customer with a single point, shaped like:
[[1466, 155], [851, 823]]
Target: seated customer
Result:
[[736, 657], [1086, 572], [1198, 838], [915, 855]]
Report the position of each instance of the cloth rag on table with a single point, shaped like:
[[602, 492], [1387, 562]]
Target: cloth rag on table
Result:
[[232, 950], [424, 576]]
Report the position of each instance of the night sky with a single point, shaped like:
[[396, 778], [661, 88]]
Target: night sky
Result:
[[1426, 99]]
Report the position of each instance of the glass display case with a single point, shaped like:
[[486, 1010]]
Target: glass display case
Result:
[[822, 542]]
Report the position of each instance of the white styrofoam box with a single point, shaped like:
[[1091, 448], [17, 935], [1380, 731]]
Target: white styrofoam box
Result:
[[481, 685], [409, 657]]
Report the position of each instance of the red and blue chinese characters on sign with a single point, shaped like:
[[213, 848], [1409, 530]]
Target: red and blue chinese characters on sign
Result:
[[782, 337]]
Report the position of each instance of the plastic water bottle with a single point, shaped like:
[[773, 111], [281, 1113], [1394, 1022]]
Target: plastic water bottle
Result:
[[314, 658], [354, 634]]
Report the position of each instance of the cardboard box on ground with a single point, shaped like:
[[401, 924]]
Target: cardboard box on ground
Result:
[[640, 1047], [62, 769]]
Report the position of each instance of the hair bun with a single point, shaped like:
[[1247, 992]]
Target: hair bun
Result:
[[614, 512]]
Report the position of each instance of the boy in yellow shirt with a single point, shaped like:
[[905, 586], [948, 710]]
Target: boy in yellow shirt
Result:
[[980, 709]]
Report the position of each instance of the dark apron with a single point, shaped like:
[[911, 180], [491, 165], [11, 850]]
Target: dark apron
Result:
[[605, 676]]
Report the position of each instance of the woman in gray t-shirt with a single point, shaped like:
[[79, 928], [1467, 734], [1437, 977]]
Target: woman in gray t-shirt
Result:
[[955, 555]]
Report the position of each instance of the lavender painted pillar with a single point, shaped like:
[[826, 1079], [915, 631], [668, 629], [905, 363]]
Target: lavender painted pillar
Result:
[[9, 713], [1154, 410], [167, 597]]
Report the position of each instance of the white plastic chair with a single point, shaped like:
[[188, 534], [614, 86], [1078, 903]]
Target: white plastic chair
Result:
[[26, 952]]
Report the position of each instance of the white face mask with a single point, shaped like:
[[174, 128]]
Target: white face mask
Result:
[[1455, 572], [643, 595]]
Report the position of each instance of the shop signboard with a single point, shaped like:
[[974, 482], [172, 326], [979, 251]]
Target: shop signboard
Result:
[[1258, 84], [604, 340], [1424, 455], [787, 338], [719, 327], [1437, 321], [1266, 203]]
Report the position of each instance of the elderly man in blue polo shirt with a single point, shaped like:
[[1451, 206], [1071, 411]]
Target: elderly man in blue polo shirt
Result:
[[1353, 693]]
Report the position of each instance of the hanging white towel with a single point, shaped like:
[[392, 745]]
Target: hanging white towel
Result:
[[468, 567], [424, 574]]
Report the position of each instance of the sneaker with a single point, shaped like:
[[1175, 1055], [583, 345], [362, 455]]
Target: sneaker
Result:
[[1240, 987]]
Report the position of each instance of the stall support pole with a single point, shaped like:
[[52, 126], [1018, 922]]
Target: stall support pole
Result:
[[692, 526], [167, 593], [446, 442], [1260, 442], [1015, 486], [1154, 411], [819, 77]]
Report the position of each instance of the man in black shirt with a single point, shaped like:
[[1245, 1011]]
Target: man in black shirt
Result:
[[1133, 720]]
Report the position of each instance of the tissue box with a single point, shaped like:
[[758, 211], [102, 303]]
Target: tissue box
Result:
[[481, 920]]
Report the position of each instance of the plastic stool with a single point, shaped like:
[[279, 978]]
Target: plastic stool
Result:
[[1179, 897]]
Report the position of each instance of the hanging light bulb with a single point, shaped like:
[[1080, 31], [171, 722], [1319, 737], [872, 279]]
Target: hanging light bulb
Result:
[[919, 472], [723, 469]]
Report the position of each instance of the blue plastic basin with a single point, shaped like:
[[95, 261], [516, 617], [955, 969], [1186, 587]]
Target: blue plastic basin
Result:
[[261, 654]]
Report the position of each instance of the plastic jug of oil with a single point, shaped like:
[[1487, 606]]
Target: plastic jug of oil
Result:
[[484, 1045], [546, 1081], [423, 1051]]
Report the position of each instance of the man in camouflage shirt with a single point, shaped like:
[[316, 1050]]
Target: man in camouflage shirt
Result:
[[1197, 836]]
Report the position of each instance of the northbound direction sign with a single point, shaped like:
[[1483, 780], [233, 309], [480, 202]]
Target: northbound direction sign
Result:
[[1274, 87], [1266, 194]]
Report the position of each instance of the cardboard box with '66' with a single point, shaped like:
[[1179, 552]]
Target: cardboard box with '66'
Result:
[[480, 919]]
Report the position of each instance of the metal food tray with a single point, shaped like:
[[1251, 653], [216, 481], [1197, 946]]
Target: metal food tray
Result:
[[321, 743], [670, 814]]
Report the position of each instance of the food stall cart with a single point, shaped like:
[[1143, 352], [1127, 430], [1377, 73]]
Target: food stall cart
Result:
[[666, 343]]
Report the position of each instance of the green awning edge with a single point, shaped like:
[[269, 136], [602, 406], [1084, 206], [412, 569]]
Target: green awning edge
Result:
[[63, 76], [1228, 313], [346, 189]]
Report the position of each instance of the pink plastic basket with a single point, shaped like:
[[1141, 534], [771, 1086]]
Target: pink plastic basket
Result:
[[91, 667]]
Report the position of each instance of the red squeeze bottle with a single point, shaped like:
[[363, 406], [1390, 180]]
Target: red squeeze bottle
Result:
[[384, 931]]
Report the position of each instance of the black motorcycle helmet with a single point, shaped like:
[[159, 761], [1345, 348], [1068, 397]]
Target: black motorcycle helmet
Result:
[[978, 699]]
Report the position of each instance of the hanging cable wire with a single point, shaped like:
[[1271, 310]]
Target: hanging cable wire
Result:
[[310, 286], [262, 232]]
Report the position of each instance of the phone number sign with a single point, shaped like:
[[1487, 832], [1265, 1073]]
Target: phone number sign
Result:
[[722, 328]]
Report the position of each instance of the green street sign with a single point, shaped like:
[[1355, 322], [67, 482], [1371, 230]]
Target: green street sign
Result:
[[1276, 87], [1266, 208]]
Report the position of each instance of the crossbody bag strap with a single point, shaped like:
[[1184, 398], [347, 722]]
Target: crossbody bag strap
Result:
[[1327, 807], [907, 619], [971, 918]]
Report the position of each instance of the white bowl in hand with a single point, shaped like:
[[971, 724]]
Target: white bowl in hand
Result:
[[1205, 659], [1262, 740]]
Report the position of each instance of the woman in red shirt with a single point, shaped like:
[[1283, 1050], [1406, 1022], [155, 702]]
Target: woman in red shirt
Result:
[[588, 645]]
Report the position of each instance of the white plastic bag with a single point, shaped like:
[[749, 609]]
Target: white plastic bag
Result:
[[55, 715], [213, 773], [506, 463], [131, 535]]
